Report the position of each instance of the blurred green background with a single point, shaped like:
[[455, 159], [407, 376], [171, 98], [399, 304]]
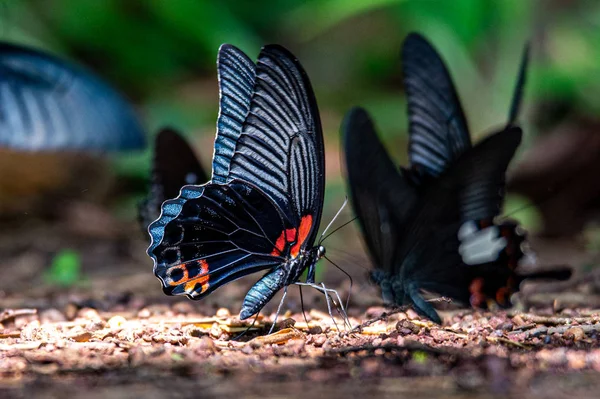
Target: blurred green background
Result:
[[162, 53]]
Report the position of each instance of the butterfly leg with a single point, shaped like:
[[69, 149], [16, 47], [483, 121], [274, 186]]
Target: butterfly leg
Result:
[[279, 309], [421, 305], [342, 309], [329, 295]]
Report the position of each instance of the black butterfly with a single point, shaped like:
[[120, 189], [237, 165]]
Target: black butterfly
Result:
[[433, 226], [262, 207], [49, 104], [174, 166]]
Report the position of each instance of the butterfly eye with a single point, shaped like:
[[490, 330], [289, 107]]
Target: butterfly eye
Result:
[[320, 252]]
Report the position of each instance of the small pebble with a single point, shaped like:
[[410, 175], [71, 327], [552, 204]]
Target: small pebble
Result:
[[575, 333], [116, 322]]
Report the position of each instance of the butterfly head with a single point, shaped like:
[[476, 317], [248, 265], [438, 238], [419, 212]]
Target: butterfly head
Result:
[[319, 252]]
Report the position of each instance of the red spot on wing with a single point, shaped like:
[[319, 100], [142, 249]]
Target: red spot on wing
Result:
[[477, 298], [303, 231], [295, 236], [290, 235], [502, 295], [279, 245], [190, 282]]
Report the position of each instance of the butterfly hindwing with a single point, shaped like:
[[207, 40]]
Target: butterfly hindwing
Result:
[[49, 104], [220, 233], [472, 189], [515, 105]]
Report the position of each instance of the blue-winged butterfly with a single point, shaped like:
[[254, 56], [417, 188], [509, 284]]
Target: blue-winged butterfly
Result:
[[261, 209], [49, 104]]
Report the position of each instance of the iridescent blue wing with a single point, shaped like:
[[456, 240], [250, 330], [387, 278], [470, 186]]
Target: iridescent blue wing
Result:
[[236, 84], [269, 206], [174, 165], [213, 234], [49, 104], [437, 125]]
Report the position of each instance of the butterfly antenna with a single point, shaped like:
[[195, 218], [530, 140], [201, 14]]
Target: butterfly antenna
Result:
[[321, 239], [278, 309], [349, 277], [246, 330], [347, 257], [338, 228]]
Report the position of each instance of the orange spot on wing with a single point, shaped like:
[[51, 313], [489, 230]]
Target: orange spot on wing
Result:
[[202, 278], [190, 283], [303, 231]]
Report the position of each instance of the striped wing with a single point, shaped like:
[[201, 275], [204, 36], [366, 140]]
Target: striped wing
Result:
[[48, 104], [213, 234], [264, 203], [280, 149], [438, 127], [236, 82]]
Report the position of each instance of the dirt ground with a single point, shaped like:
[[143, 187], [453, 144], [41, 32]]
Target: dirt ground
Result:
[[117, 335]]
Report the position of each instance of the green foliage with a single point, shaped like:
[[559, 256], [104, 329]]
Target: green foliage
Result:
[[162, 54], [65, 269]]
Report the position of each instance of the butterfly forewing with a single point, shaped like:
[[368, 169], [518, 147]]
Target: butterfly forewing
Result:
[[174, 166], [372, 177], [47, 104], [280, 149], [437, 125], [236, 83]]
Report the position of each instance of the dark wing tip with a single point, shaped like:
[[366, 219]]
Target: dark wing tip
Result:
[[354, 125], [166, 135], [355, 116], [279, 50], [415, 41], [515, 133], [517, 99]]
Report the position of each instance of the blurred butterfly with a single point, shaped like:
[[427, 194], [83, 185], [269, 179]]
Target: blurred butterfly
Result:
[[49, 104], [434, 226], [174, 165], [262, 207]]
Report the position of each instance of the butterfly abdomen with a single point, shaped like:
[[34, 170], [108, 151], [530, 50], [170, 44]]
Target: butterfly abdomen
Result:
[[262, 292]]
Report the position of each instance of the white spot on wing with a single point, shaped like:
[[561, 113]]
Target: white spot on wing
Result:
[[479, 246]]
